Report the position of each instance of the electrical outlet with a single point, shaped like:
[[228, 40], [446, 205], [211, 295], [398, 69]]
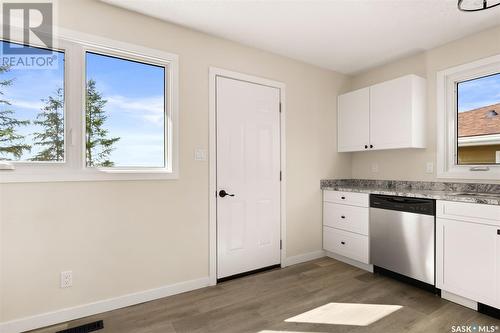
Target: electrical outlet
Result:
[[429, 168], [200, 154], [375, 167], [66, 279]]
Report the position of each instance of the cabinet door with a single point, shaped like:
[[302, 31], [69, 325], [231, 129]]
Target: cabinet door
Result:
[[467, 260], [354, 120], [391, 114]]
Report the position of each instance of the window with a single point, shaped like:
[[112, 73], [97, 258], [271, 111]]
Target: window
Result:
[[478, 120], [125, 113], [103, 110], [32, 110], [469, 120]]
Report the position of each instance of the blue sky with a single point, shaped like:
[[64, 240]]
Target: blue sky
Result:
[[135, 106], [479, 92], [26, 92]]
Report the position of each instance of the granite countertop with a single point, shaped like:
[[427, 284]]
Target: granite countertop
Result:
[[463, 192]]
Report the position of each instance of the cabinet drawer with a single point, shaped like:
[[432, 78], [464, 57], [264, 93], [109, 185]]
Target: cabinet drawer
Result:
[[469, 212], [349, 218], [346, 243], [347, 198]]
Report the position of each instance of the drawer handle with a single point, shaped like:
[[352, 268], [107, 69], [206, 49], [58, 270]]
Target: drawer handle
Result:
[[343, 243], [498, 232], [343, 198], [343, 217]]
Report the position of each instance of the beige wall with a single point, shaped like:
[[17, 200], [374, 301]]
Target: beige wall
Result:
[[410, 164], [123, 237]]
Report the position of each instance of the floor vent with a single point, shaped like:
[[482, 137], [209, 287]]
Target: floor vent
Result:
[[90, 327]]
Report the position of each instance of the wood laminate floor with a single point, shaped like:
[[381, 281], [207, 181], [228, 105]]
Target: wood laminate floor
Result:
[[261, 303]]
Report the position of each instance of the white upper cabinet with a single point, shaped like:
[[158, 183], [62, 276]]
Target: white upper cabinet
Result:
[[388, 115], [354, 120], [397, 113]]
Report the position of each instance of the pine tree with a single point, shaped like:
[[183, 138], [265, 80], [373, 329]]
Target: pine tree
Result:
[[98, 145], [51, 118], [11, 142]]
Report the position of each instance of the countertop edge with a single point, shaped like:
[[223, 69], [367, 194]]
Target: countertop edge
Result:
[[437, 195]]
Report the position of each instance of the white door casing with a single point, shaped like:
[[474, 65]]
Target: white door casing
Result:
[[248, 166]]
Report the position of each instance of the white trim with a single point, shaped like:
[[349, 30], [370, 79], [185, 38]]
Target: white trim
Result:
[[459, 300], [73, 169], [480, 140], [446, 119], [298, 259], [80, 311], [349, 261], [213, 73]]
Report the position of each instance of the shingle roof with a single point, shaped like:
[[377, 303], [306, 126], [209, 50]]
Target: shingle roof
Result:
[[481, 121]]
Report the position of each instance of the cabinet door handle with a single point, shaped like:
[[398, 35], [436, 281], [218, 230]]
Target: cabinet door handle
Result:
[[342, 217], [343, 243], [498, 232], [343, 198], [371, 146], [366, 146]]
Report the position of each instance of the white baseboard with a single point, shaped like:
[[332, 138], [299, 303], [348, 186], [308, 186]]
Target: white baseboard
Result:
[[80, 311], [303, 258], [351, 262], [459, 300]]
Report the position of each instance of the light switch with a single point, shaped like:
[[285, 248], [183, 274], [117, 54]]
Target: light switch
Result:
[[200, 154], [429, 168]]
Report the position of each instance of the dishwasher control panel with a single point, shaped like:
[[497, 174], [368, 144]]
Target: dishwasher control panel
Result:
[[404, 204]]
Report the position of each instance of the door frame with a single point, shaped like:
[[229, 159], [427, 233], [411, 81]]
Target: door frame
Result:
[[214, 72]]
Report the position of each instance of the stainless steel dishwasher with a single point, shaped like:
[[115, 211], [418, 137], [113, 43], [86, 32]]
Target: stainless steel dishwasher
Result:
[[402, 236]]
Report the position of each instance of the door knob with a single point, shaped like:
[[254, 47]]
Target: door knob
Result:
[[223, 193]]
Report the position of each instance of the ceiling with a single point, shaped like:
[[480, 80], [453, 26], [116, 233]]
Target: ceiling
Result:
[[347, 36]]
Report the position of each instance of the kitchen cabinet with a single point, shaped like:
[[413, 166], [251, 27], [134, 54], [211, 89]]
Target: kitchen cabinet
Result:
[[468, 251], [353, 119], [388, 115], [345, 224]]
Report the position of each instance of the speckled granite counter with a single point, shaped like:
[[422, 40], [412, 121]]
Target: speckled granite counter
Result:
[[464, 192]]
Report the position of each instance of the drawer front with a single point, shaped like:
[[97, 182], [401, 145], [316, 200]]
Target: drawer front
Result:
[[349, 218], [347, 198], [469, 212], [346, 243]]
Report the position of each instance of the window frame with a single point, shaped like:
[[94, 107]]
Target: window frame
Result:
[[75, 45], [61, 47], [167, 132], [447, 120]]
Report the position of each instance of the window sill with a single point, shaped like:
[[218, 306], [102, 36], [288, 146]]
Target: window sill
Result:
[[25, 176], [464, 172]]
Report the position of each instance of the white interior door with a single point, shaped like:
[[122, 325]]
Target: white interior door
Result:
[[248, 167]]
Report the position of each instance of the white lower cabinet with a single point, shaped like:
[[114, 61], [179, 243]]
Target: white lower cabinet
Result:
[[345, 224], [468, 251], [347, 244]]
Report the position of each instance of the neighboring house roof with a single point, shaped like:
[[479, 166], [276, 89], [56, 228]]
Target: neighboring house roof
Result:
[[481, 121]]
